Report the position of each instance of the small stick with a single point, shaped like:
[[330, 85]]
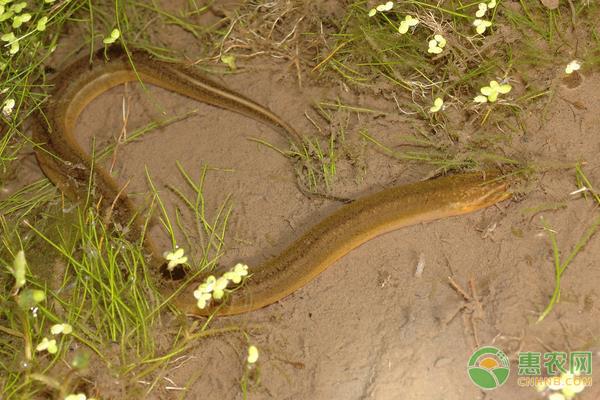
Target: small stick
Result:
[[458, 289]]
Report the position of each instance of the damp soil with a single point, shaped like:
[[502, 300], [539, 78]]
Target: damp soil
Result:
[[369, 326]]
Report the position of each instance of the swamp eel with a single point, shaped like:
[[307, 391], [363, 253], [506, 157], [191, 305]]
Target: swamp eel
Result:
[[70, 168]]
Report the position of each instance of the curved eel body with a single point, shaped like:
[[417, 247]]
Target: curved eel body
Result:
[[69, 167]]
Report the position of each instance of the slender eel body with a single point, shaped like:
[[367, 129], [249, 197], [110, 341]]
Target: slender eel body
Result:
[[69, 167], [356, 223]]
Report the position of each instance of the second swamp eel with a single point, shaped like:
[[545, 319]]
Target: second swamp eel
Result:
[[69, 167]]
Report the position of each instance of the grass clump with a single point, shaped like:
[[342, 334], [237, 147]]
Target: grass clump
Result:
[[445, 56], [89, 275]]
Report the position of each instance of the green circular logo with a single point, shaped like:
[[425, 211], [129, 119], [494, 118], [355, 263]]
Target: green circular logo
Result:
[[488, 368]]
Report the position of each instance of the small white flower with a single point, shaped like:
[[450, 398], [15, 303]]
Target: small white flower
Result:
[[202, 299], [438, 103], [441, 40], [114, 35], [437, 44], [204, 292], [19, 20], [241, 269], [236, 274], [491, 4], [18, 7], [385, 7], [199, 292], [408, 22], [14, 47], [175, 258], [433, 48], [48, 345], [252, 354], [4, 15], [573, 66], [41, 24], [493, 90], [19, 268], [482, 10], [57, 329], [208, 285], [76, 396], [210, 282], [232, 276], [490, 93], [14, 43], [556, 396], [220, 287], [38, 296], [381, 8], [481, 25], [8, 106]]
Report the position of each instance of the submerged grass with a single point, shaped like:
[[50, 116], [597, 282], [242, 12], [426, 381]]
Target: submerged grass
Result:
[[561, 265], [98, 282]]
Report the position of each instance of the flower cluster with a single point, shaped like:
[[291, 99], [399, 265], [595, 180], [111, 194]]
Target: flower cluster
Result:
[[408, 22], [49, 345], [381, 8], [214, 288], [437, 44], [13, 11], [479, 23], [57, 329]]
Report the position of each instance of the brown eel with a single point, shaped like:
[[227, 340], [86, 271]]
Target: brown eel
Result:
[[69, 167]]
